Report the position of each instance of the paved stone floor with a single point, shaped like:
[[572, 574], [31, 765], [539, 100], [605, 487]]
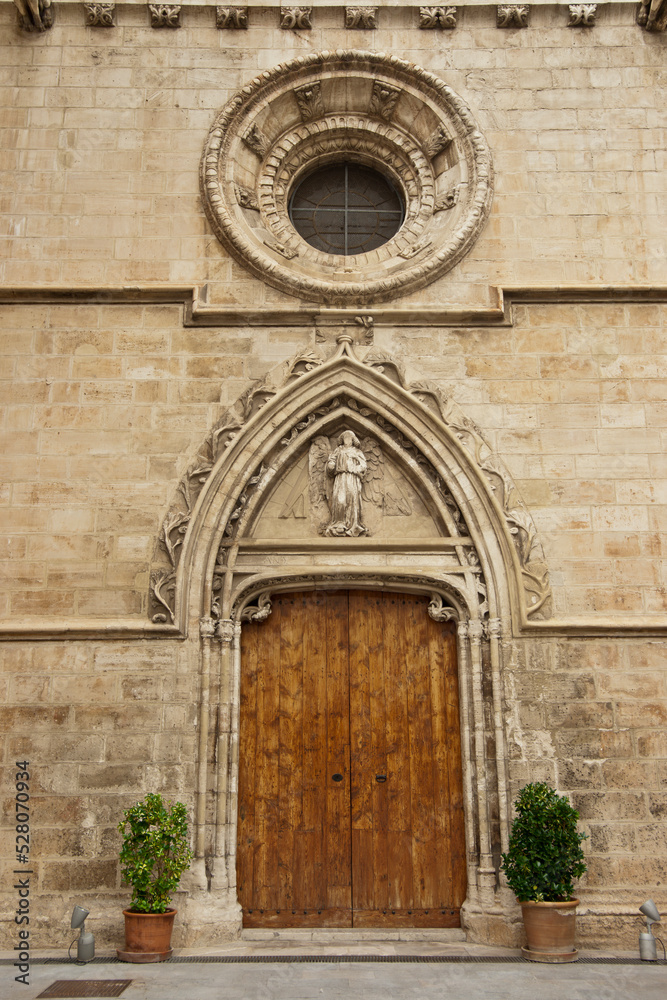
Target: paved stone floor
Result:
[[346, 980]]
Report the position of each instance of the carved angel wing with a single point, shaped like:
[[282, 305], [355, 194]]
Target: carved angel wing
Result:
[[373, 484], [320, 484]]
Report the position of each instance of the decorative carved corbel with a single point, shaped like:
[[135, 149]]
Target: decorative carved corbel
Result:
[[260, 611], [364, 18], [289, 253], [309, 100], [582, 15], [296, 18], [439, 611], [444, 202], [165, 15], [231, 18], [512, 15], [383, 100], [437, 142], [438, 17], [100, 15], [34, 15], [652, 15], [246, 198], [255, 140]]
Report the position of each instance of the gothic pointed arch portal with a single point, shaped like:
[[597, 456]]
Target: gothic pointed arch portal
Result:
[[339, 474]]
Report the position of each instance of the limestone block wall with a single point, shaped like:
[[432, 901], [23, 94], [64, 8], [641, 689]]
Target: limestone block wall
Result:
[[107, 397]]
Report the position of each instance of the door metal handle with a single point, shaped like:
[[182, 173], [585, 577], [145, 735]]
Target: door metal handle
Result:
[[380, 777], [337, 777]]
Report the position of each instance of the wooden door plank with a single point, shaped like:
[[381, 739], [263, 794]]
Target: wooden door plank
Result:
[[377, 609], [313, 849], [425, 877], [399, 820], [443, 770], [457, 849], [361, 799], [267, 792], [338, 842], [290, 776]]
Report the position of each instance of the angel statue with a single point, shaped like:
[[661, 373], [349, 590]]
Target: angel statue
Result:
[[347, 466], [345, 478]]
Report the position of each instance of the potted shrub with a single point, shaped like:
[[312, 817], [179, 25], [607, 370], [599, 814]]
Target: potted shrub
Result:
[[153, 857], [543, 859]]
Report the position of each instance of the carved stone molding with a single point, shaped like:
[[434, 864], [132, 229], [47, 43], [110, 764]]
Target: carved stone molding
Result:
[[100, 15], [165, 15], [438, 17], [441, 612], [582, 15], [231, 18], [259, 611], [296, 18], [355, 106], [512, 15], [34, 15], [364, 18], [652, 15]]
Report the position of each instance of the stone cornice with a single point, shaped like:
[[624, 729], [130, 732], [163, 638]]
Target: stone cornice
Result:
[[199, 312]]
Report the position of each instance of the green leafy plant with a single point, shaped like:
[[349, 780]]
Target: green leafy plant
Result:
[[545, 852], [155, 851]]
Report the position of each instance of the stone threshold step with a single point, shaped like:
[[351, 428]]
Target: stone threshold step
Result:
[[345, 935]]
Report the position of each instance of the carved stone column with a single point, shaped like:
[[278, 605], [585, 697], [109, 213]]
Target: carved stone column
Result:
[[207, 632], [224, 632], [494, 631], [486, 871]]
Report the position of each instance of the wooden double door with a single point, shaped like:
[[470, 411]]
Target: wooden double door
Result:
[[350, 790]]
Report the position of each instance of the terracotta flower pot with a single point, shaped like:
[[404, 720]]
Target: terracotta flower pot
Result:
[[550, 929], [147, 936]]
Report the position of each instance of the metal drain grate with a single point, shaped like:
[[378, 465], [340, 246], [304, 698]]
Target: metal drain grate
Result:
[[86, 988]]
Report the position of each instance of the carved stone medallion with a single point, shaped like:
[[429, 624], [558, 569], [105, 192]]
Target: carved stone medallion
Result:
[[347, 107]]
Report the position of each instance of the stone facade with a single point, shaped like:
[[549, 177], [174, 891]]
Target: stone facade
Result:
[[151, 371]]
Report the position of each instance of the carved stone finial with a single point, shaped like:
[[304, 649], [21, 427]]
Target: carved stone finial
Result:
[[231, 18], [34, 15], [100, 15], [652, 15], [296, 18], [512, 15], [309, 99], [438, 17], [383, 100], [364, 18], [583, 15], [165, 15]]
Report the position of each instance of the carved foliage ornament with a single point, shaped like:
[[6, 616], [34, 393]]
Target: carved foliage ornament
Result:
[[437, 17], [361, 17], [231, 18], [582, 15], [100, 15], [362, 107], [165, 15], [296, 18], [512, 15], [517, 518]]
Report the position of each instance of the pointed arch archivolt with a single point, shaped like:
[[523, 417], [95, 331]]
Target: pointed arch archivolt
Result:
[[479, 515]]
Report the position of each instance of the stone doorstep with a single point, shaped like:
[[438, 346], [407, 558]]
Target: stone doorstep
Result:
[[344, 935]]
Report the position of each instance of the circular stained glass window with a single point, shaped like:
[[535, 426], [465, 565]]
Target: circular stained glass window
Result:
[[346, 209]]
